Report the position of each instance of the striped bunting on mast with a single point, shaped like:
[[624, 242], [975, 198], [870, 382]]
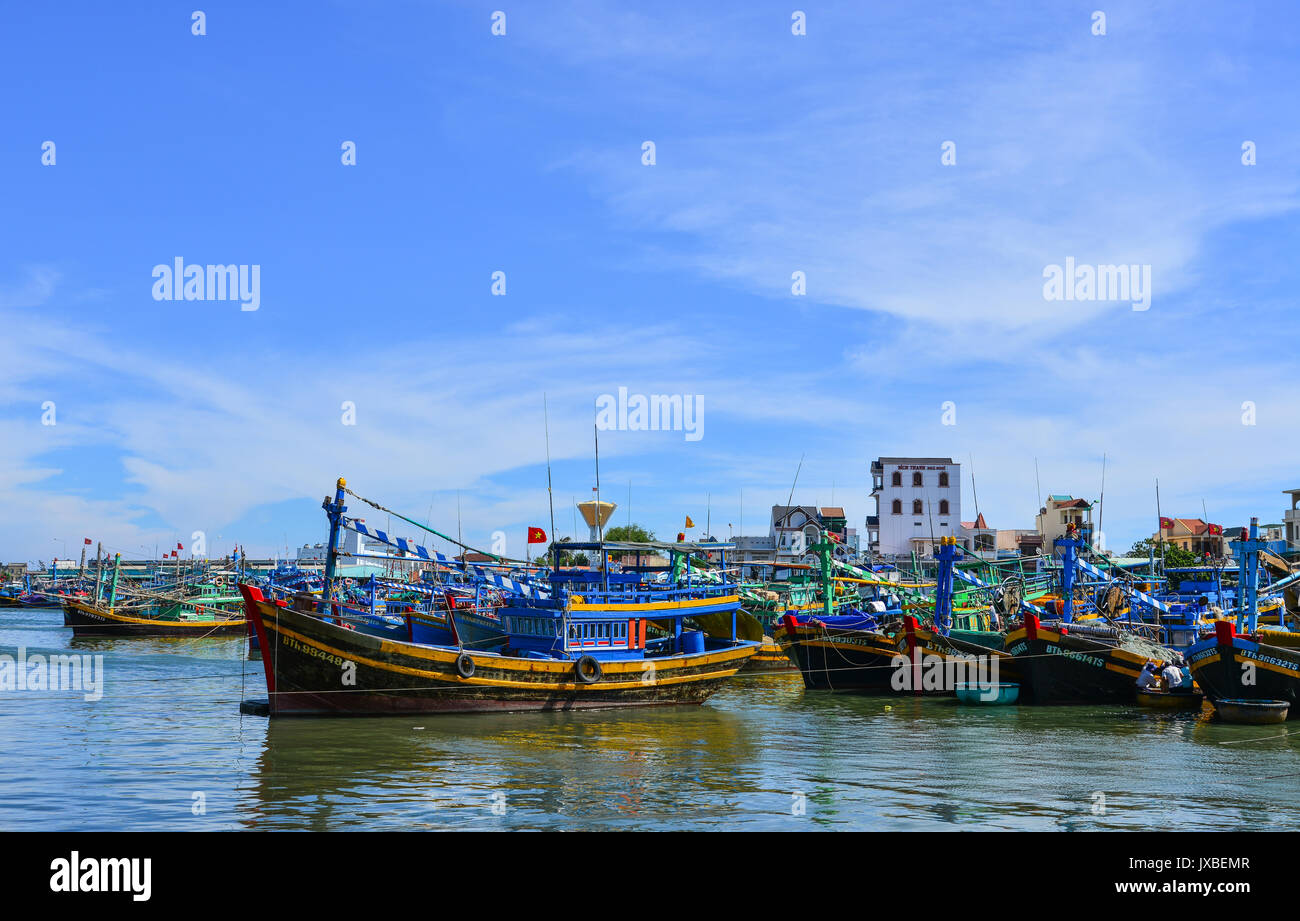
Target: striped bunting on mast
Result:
[[423, 553], [1133, 592], [980, 583]]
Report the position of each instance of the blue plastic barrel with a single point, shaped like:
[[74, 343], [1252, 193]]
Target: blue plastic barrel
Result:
[[692, 641]]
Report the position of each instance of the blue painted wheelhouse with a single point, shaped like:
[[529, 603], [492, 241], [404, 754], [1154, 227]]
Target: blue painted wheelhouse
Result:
[[629, 610]]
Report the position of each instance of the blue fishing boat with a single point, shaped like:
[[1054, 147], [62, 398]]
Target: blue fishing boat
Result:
[[1241, 661], [571, 638], [878, 650]]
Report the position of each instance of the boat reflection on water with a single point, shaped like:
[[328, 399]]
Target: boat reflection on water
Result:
[[593, 769]]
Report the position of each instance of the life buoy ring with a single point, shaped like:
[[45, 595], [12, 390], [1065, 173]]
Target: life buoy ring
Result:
[[587, 669], [465, 665]]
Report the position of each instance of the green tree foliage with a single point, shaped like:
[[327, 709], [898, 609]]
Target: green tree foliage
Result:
[[1173, 556], [630, 532]]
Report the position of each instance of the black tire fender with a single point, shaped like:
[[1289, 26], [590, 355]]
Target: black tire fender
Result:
[[465, 665], [587, 669]]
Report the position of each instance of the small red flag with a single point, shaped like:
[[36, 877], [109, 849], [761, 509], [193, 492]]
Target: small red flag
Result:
[[536, 536], [87, 540], [1215, 529], [1166, 524], [179, 546]]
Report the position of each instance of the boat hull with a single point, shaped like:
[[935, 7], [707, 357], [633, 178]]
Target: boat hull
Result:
[[994, 695], [1228, 666], [831, 659], [314, 667], [770, 657], [87, 620], [1065, 668], [1252, 712], [1164, 700]]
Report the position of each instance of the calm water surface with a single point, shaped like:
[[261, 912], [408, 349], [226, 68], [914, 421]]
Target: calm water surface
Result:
[[168, 727]]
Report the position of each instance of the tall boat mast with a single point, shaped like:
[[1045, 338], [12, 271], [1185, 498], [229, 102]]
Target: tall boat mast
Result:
[[334, 511], [1248, 578]]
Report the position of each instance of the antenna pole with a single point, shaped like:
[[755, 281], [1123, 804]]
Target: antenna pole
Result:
[[550, 496], [1101, 503], [1160, 531]]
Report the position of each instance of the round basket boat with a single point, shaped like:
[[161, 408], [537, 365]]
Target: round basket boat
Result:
[[1166, 700], [1252, 711], [974, 692]]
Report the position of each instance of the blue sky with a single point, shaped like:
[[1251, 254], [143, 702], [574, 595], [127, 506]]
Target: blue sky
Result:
[[522, 153]]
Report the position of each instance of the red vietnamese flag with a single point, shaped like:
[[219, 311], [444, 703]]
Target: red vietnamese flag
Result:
[[87, 540], [179, 546], [1214, 529], [1166, 524], [536, 536], [833, 536]]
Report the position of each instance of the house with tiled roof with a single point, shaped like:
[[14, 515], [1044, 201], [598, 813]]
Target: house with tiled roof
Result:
[[978, 537], [1058, 514], [1194, 535]]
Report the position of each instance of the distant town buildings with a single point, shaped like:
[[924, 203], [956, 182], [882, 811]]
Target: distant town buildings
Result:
[[792, 530], [1196, 536], [1056, 517], [918, 501]]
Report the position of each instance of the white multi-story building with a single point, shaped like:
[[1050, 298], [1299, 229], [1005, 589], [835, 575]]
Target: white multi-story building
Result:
[[792, 531], [918, 501], [353, 549]]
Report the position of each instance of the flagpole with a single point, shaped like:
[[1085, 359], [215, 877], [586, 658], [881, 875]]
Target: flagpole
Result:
[[550, 496], [1160, 528]]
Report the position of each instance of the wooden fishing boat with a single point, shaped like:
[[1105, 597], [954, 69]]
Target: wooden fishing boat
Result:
[[842, 652], [888, 652], [770, 657], [1257, 712], [1232, 666], [1170, 700], [1238, 661], [1077, 663], [316, 667], [1080, 661], [86, 618], [577, 639]]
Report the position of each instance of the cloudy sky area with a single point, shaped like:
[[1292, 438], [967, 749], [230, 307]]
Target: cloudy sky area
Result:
[[523, 154]]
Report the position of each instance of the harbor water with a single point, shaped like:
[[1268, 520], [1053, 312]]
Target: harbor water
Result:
[[166, 748]]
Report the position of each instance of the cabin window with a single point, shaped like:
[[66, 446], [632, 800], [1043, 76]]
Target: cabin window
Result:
[[917, 507], [943, 506], [897, 479], [943, 478], [916, 478], [898, 507]]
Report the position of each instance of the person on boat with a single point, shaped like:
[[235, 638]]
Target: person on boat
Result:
[[1147, 677], [1172, 675]]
